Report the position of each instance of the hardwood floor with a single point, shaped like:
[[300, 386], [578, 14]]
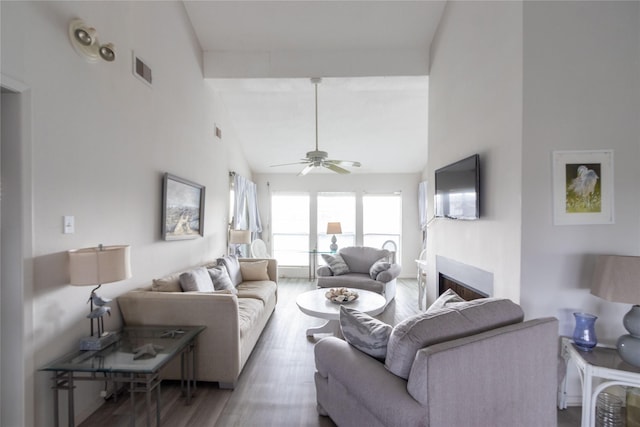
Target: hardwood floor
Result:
[[276, 387]]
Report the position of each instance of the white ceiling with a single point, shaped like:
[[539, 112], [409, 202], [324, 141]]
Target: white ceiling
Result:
[[380, 121]]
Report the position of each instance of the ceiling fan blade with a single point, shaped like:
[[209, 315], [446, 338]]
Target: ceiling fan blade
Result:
[[335, 168], [290, 164], [306, 170], [349, 163]]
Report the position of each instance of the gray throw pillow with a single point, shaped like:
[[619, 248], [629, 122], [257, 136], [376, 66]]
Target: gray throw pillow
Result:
[[447, 297], [364, 332], [336, 264], [221, 280], [196, 280], [378, 267], [231, 263]]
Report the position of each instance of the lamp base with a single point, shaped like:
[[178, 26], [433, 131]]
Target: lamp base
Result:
[[98, 343], [333, 246], [631, 321], [629, 349]]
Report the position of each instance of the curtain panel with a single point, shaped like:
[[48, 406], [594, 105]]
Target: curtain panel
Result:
[[246, 215], [422, 205]]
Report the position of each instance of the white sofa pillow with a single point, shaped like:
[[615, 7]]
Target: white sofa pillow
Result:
[[169, 283], [221, 280], [364, 332], [197, 279], [231, 263], [447, 297], [378, 267], [336, 264], [254, 270]]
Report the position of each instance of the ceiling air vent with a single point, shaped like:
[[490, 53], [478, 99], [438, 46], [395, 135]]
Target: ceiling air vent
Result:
[[141, 70]]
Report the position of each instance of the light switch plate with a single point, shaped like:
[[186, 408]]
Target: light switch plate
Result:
[[69, 226]]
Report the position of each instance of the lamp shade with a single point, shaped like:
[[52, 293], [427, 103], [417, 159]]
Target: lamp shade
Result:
[[334, 228], [239, 237], [617, 278], [103, 264]]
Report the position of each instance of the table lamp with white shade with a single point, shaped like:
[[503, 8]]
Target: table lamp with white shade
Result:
[[334, 228], [238, 238], [617, 278], [95, 267]]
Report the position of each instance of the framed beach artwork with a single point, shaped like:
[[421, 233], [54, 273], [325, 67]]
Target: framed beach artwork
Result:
[[583, 187], [182, 208]]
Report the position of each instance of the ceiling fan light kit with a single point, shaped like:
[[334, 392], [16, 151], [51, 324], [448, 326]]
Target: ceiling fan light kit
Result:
[[317, 158]]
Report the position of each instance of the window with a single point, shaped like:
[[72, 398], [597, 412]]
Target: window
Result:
[[293, 222], [290, 228], [336, 207], [381, 220]]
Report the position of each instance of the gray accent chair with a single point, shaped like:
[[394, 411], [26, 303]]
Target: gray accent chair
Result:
[[503, 375], [359, 259]]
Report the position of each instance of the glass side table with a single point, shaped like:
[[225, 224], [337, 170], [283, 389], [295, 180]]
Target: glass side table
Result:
[[134, 359], [598, 369], [313, 261]]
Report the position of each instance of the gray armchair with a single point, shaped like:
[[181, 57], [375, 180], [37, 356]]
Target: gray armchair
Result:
[[366, 268], [473, 365]]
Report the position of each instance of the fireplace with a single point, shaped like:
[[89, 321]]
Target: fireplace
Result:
[[465, 291], [466, 280]]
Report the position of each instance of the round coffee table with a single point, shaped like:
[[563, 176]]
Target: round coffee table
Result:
[[315, 304]]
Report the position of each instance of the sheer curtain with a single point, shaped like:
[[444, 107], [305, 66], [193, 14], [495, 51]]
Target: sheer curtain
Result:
[[422, 211], [246, 215], [422, 204]]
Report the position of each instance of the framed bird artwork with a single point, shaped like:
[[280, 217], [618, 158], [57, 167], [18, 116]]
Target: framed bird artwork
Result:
[[583, 187]]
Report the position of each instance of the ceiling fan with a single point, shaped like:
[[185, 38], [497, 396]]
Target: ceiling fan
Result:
[[316, 158]]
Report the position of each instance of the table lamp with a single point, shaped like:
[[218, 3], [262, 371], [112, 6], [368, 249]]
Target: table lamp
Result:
[[334, 228], [239, 237], [95, 267], [617, 278]]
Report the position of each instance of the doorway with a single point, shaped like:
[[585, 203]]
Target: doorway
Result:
[[16, 272]]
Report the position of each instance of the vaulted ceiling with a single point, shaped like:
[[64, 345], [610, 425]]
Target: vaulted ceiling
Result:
[[372, 55]]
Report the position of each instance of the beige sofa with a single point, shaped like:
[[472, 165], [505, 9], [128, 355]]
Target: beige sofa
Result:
[[234, 322], [471, 364]]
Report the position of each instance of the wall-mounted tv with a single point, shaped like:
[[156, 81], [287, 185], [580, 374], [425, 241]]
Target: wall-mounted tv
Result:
[[457, 193]]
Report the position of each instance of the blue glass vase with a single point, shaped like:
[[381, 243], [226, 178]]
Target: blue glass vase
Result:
[[584, 335]]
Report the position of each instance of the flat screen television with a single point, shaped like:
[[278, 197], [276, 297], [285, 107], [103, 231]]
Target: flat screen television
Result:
[[457, 192]]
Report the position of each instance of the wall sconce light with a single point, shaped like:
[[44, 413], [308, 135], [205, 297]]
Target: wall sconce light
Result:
[[85, 41]]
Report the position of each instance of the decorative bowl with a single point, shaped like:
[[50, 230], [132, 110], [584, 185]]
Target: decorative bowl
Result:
[[341, 295]]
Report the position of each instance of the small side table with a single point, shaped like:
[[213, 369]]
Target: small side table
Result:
[[602, 364], [122, 362]]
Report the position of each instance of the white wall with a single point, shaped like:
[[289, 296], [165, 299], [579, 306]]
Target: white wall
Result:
[[313, 183], [475, 106], [101, 141], [515, 81], [581, 91]]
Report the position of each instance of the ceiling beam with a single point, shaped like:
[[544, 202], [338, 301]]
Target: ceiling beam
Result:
[[308, 63]]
